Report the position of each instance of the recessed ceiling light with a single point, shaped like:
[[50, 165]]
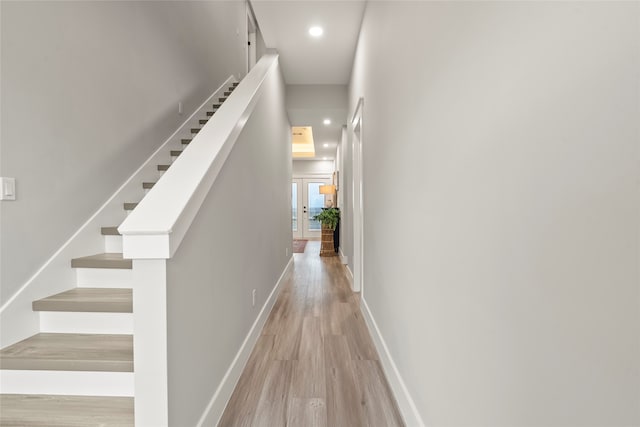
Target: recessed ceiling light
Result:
[[327, 121], [324, 158], [316, 31], [325, 145]]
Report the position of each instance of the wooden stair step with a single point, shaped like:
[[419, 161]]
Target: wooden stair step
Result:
[[130, 206], [50, 410], [227, 93], [175, 153], [235, 84], [88, 300], [148, 185], [195, 130], [185, 141], [210, 113], [222, 99], [70, 352], [163, 168], [110, 231], [203, 121], [216, 106], [108, 260]]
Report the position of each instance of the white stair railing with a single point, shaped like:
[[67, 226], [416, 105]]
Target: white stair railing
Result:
[[156, 227], [154, 230]]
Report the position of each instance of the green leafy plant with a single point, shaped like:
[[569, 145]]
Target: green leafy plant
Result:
[[329, 217]]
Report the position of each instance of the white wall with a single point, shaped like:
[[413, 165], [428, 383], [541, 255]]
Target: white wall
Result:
[[89, 89], [240, 241], [261, 48], [502, 269], [313, 167]]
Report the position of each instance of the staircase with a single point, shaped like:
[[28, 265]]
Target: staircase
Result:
[[79, 369]]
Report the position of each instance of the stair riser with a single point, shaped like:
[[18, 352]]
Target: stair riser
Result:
[[104, 278], [113, 244], [86, 323], [66, 383]]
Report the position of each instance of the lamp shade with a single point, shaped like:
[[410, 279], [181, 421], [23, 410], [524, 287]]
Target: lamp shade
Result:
[[327, 189]]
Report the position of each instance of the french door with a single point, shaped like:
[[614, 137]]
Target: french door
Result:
[[306, 202]]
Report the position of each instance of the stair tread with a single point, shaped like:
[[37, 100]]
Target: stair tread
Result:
[[70, 352], [106, 260], [104, 300], [175, 152], [147, 185], [54, 411], [163, 167], [185, 141], [110, 231], [129, 206]]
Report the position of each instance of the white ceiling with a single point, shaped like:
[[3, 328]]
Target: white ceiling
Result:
[[304, 59], [316, 70], [309, 105]]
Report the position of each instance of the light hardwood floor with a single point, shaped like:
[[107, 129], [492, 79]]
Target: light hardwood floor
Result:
[[17, 410], [315, 363]]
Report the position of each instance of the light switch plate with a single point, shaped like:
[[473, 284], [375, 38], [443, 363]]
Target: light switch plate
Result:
[[7, 188]]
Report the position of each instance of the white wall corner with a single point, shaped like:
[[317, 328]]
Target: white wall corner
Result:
[[220, 398], [407, 406]]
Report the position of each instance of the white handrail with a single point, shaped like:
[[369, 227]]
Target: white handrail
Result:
[[156, 227]]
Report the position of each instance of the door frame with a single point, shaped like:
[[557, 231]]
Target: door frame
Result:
[[358, 198], [252, 30], [301, 192]]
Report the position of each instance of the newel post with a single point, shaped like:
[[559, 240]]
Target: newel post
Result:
[[150, 343]]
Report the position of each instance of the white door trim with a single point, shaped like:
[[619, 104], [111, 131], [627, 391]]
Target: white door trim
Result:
[[297, 234], [252, 29], [358, 210]]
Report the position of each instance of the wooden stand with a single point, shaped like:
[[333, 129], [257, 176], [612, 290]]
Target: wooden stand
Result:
[[326, 244]]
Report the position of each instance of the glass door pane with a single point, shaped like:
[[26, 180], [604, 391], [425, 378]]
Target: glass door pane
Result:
[[315, 203], [294, 206]]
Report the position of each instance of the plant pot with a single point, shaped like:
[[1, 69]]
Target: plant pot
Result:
[[326, 243]]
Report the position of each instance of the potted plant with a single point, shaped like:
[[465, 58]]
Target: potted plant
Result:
[[329, 218]]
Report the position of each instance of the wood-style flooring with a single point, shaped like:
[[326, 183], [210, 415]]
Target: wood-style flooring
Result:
[[314, 363], [18, 410]]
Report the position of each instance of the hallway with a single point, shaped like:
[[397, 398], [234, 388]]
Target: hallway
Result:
[[314, 363]]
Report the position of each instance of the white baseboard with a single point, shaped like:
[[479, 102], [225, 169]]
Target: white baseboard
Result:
[[349, 276], [406, 404], [218, 402], [343, 258]]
